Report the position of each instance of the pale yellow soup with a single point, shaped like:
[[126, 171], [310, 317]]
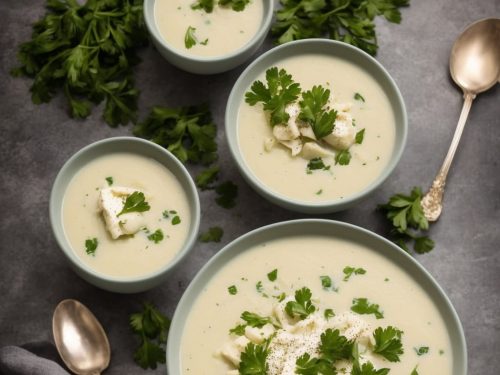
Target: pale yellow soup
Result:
[[127, 256], [300, 262], [224, 29], [286, 175]]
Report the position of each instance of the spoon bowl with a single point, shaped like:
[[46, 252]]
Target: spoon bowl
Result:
[[80, 338]]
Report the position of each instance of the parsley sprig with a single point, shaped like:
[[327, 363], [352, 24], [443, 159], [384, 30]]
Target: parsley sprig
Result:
[[388, 343], [408, 221], [87, 52], [350, 21], [253, 360], [313, 111], [302, 307], [363, 306], [135, 202], [280, 91], [208, 5], [152, 328]]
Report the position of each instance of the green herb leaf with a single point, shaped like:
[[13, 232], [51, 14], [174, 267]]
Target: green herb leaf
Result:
[[280, 91], [388, 343], [326, 282], [190, 39], [239, 330], [421, 350], [227, 192], [187, 132], [313, 111], [255, 320], [302, 307], [176, 220], [423, 244], [253, 360], [328, 314], [206, 5], [349, 271], [273, 275], [360, 135], [334, 346], [232, 290], [236, 5], [91, 246], [135, 202], [357, 96], [317, 163], [109, 180], [207, 177], [152, 328], [305, 365], [414, 372], [157, 236], [213, 234], [343, 157], [367, 369], [362, 306]]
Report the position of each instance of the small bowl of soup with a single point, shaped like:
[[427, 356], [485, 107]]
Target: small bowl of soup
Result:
[[207, 37], [315, 125], [125, 212]]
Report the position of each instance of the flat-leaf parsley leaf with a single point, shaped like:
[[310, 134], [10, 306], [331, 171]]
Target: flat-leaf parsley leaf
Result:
[[135, 202], [362, 306], [302, 306]]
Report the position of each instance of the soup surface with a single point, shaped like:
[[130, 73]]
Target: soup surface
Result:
[[216, 34], [304, 262], [287, 175], [143, 252]]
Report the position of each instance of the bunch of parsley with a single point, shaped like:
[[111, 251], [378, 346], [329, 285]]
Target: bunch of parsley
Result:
[[408, 221], [87, 51], [350, 21]]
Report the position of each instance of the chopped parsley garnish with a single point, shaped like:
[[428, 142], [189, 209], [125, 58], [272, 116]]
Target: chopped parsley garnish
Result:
[[176, 220], [273, 275], [87, 50], [206, 178], [362, 306], [255, 320], [343, 157], [360, 135], [408, 220], [208, 5], [367, 369], [305, 365], [109, 180], [91, 246], [186, 132], [227, 192], [205, 42], [319, 192], [135, 202], [421, 350], [190, 39], [357, 96], [259, 287], [348, 21], [232, 290], [302, 307], [388, 343], [317, 163], [253, 360], [280, 91], [414, 371], [213, 234], [156, 236], [326, 282], [349, 271], [152, 328], [329, 313], [313, 111], [239, 330]]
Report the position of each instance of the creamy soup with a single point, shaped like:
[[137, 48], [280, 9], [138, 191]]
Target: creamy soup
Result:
[[163, 227], [218, 33], [306, 261], [288, 175]]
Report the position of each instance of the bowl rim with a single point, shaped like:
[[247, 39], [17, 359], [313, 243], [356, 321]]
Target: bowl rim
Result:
[[296, 204], [192, 292], [56, 203], [157, 38]]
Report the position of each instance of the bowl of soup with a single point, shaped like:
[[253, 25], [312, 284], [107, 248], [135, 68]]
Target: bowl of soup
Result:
[[314, 294], [124, 212], [207, 37], [315, 125]]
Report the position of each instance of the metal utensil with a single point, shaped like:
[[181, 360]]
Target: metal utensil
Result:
[[475, 67], [80, 338]]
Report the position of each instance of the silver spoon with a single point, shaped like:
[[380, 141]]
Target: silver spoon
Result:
[[80, 338], [475, 67]]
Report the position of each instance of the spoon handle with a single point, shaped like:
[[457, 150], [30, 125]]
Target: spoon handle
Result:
[[432, 202]]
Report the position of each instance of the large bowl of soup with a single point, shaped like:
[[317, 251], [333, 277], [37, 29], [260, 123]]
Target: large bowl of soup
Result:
[[316, 125], [124, 212], [312, 292], [207, 37]]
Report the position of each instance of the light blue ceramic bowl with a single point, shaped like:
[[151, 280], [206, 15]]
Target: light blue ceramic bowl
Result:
[[105, 147], [324, 47], [328, 228], [207, 65]]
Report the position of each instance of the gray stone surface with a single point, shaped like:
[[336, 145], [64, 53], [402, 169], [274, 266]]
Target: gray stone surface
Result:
[[36, 141]]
